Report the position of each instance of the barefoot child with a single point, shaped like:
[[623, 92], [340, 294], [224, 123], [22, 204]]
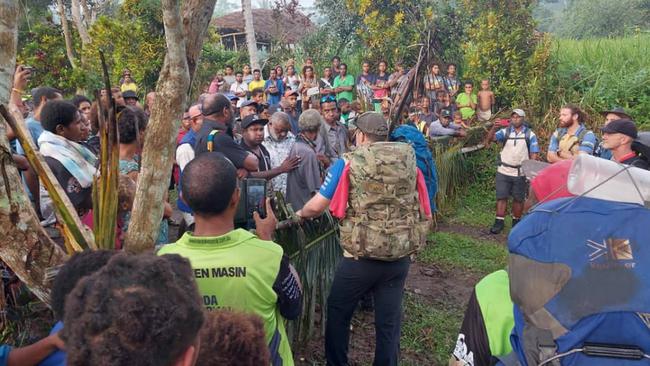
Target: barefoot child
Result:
[[485, 101], [458, 120]]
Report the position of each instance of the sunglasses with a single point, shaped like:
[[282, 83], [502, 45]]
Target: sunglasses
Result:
[[328, 99]]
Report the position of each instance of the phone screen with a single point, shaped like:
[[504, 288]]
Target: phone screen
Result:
[[256, 197]]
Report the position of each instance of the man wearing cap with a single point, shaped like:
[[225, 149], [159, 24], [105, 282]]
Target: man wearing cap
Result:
[[216, 134], [381, 226], [618, 136], [304, 181], [130, 98], [445, 127], [252, 138], [518, 143], [247, 108], [610, 115]]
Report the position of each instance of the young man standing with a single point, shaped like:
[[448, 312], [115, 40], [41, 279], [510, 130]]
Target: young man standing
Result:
[[466, 102], [451, 81], [239, 87], [326, 82], [274, 88], [519, 143], [571, 138], [365, 77], [344, 83], [376, 262], [257, 81], [234, 268], [618, 136]]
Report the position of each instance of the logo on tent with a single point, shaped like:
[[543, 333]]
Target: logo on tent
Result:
[[612, 249]]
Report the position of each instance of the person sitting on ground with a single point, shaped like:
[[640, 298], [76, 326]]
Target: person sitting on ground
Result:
[[230, 338], [304, 182], [216, 134], [252, 139], [137, 310], [466, 103], [445, 127], [279, 140], [77, 267], [485, 101], [132, 123], [236, 269], [618, 136], [572, 137], [72, 163], [518, 143]]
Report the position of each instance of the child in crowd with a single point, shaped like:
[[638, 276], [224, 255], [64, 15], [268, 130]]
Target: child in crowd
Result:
[[485, 101], [458, 120]]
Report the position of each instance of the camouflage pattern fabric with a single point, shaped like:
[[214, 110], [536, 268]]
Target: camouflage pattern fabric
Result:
[[383, 219]]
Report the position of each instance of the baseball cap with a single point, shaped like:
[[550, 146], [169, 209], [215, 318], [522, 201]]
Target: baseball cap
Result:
[[231, 96], [129, 94], [253, 119], [309, 120], [519, 112], [247, 103], [624, 126], [374, 123], [445, 113], [290, 92], [618, 111]]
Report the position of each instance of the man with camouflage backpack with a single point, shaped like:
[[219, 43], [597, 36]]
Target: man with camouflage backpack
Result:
[[381, 198]]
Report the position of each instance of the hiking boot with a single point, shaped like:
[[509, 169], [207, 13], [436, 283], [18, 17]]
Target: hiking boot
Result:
[[515, 222], [497, 227]]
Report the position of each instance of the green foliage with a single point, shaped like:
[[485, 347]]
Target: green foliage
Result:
[[429, 328], [451, 250], [597, 18], [499, 42], [475, 203]]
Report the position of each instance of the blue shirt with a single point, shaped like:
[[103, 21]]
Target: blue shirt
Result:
[[332, 179], [274, 98], [588, 143], [35, 129], [56, 358], [533, 144], [4, 355]]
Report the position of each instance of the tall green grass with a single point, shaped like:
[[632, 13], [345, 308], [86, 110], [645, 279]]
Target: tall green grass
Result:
[[601, 73]]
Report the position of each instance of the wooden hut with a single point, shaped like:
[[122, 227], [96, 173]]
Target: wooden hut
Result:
[[271, 28]]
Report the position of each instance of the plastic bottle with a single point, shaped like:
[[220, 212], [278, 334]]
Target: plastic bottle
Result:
[[588, 172]]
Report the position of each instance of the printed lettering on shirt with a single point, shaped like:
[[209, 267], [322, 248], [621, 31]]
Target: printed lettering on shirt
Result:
[[220, 272]]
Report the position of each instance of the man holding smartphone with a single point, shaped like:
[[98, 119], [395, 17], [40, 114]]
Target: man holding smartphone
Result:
[[234, 268]]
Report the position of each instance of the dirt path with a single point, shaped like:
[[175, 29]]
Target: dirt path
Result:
[[428, 284], [474, 232]]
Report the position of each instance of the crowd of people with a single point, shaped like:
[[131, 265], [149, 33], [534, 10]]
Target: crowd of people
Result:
[[307, 138]]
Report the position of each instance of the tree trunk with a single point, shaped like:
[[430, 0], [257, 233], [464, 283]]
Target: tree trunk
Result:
[[196, 19], [79, 23], [251, 43], [66, 34], [160, 144], [26, 248]]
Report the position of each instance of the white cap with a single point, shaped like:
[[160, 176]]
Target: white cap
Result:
[[519, 112]]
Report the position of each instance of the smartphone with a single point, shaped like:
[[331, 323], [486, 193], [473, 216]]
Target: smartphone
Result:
[[256, 197]]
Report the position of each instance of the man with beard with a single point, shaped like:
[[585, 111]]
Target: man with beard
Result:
[[216, 134], [278, 140], [252, 139], [572, 137]]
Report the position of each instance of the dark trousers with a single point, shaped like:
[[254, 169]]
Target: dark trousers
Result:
[[353, 279]]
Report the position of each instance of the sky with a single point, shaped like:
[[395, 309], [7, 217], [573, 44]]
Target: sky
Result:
[[257, 3]]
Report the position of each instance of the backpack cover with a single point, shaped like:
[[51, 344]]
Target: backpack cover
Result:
[[580, 274], [383, 219], [424, 159]]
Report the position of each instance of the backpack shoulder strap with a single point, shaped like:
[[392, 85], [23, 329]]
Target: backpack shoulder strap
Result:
[[211, 136], [582, 134], [527, 137], [507, 135]]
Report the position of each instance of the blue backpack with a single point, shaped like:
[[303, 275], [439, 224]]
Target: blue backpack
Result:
[[425, 162], [580, 283]]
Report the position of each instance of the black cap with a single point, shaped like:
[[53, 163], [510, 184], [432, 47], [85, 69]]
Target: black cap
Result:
[[624, 126], [618, 111], [129, 94], [445, 113], [253, 119]]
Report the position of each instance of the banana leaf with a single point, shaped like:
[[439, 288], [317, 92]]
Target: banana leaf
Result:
[[74, 232], [105, 186]]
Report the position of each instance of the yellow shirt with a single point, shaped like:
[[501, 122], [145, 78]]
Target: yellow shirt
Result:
[[255, 84]]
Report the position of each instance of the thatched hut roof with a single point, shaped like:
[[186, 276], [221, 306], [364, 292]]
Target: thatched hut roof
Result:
[[270, 25]]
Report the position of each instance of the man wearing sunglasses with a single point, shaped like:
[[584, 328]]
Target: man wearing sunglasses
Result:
[[216, 133], [185, 154]]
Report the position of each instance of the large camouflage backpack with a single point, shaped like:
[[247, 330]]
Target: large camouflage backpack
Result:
[[383, 219]]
